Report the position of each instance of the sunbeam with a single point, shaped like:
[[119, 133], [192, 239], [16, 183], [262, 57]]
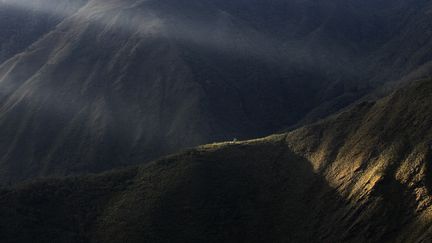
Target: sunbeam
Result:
[[52, 7], [218, 31]]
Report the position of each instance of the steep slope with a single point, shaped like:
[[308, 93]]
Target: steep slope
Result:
[[120, 82], [378, 157], [407, 53], [95, 85], [360, 176], [22, 22]]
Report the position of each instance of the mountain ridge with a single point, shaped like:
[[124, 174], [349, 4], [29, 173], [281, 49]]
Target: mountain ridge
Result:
[[110, 84], [366, 182]]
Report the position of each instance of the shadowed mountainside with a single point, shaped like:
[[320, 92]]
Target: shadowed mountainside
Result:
[[120, 82], [20, 28], [96, 85], [360, 176]]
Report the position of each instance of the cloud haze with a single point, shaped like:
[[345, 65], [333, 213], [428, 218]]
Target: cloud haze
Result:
[[220, 32]]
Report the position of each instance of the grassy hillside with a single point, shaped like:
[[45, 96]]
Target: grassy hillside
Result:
[[378, 156], [360, 176]]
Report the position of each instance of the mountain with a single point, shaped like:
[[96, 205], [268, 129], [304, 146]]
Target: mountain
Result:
[[362, 175], [24, 22], [87, 86]]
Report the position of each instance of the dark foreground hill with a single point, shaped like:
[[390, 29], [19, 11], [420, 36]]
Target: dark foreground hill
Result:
[[360, 176]]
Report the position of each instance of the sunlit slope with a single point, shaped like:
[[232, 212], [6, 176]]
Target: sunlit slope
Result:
[[378, 157], [360, 176]]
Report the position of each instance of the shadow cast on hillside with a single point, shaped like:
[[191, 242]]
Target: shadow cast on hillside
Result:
[[244, 193], [238, 193]]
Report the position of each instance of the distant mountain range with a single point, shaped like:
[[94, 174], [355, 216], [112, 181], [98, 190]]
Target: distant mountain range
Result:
[[88, 86]]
